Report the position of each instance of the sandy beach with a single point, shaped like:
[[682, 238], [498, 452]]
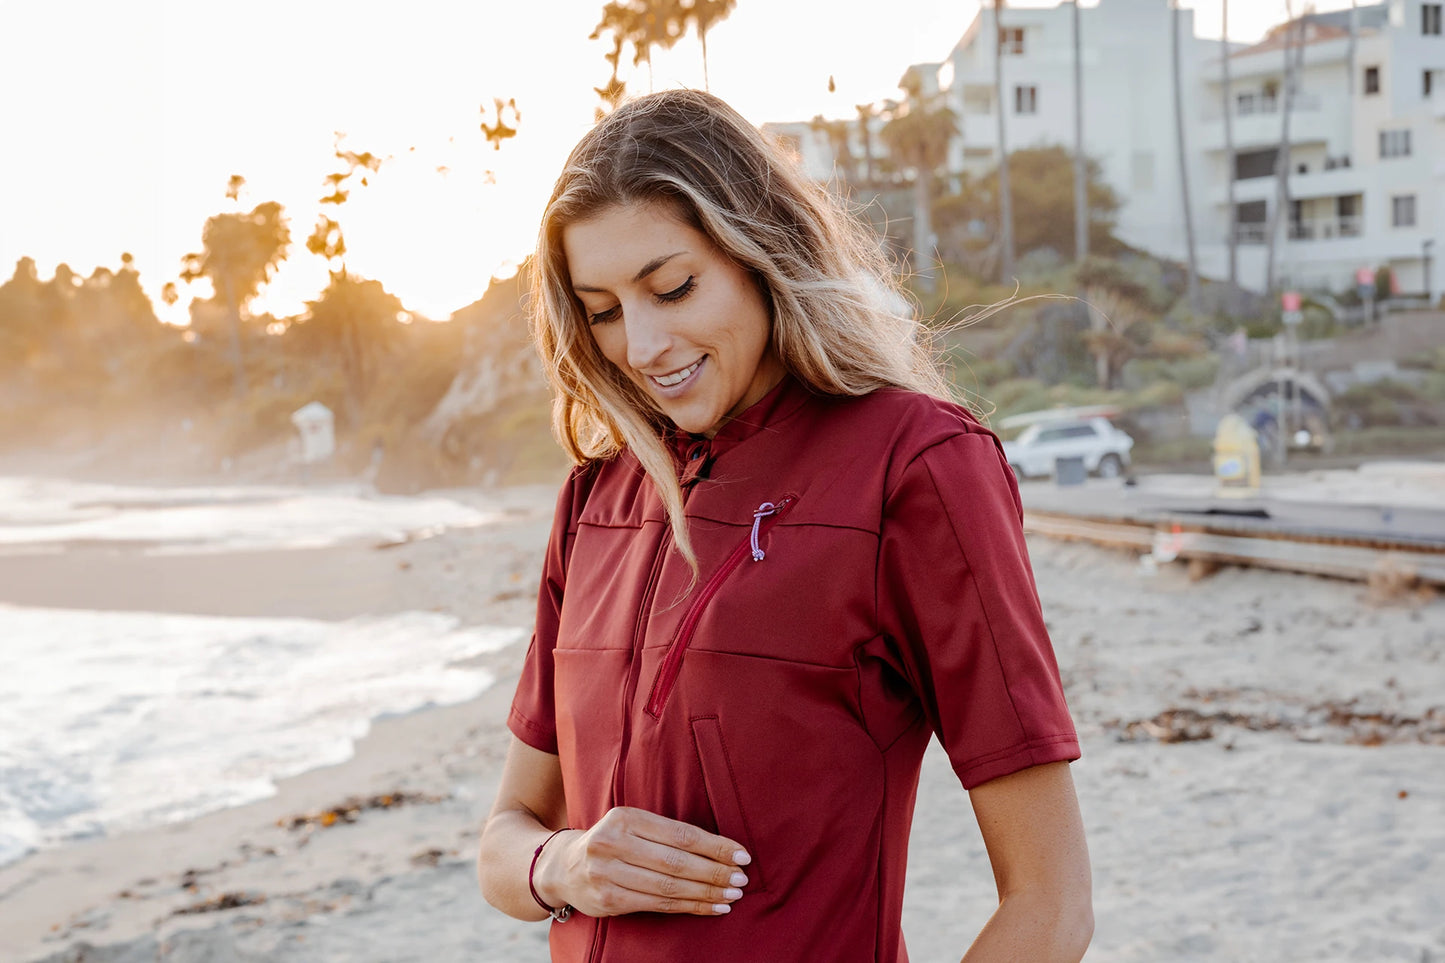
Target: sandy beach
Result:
[[1263, 774]]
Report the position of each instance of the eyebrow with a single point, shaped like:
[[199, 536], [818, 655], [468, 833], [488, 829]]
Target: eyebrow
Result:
[[647, 269]]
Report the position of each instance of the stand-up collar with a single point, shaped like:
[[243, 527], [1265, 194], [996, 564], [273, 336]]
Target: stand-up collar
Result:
[[695, 453]]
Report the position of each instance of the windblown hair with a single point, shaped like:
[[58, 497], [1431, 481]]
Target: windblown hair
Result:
[[840, 325]]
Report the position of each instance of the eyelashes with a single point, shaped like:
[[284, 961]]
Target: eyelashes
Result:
[[667, 297]]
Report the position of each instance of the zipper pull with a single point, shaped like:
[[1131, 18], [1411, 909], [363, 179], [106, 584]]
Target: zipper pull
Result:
[[764, 510]]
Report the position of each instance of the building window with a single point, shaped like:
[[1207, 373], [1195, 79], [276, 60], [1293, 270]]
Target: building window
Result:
[[977, 99], [1026, 99], [1402, 211], [1255, 163], [1394, 143], [1251, 222], [1428, 84], [1430, 19], [1011, 40], [1372, 80]]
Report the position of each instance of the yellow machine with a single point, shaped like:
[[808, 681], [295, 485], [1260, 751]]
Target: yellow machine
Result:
[[1236, 458]]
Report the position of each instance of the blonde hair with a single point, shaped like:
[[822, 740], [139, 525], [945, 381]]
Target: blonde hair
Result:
[[840, 324]]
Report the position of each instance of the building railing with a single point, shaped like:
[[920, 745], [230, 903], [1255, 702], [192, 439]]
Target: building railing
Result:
[[1251, 233], [1325, 229], [1320, 229], [1253, 105]]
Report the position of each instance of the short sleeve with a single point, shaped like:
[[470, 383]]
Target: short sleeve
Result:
[[958, 601], [533, 718]]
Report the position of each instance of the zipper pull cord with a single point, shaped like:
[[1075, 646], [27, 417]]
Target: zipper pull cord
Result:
[[764, 510]]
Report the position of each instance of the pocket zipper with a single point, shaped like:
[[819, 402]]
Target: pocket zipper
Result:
[[764, 518]]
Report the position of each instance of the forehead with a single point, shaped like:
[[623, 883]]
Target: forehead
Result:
[[610, 247]]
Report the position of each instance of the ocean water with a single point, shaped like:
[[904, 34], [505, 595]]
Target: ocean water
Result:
[[42, 514], [119, 720]]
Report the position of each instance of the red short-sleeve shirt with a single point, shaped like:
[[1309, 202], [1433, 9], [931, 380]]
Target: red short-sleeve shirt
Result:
[[863, 585]]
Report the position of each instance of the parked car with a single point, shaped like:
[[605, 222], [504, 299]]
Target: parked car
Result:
[[1104, 448]]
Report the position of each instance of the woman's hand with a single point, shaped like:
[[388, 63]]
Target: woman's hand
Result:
[[634, 861]]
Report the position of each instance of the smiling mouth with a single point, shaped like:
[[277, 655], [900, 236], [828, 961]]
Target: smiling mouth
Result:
[[678, 377]]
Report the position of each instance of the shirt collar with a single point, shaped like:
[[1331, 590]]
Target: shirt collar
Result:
[[781, 401]]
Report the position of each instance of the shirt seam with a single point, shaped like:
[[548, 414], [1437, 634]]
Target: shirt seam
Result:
[[982, 604]]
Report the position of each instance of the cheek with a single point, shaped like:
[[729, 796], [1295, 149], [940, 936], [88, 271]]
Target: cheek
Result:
[[611, 340]]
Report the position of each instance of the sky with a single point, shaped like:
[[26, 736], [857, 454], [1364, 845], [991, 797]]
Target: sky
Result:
[[120, 124]]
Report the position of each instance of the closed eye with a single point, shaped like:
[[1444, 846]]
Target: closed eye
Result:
[[667, 297], [602, 317], [679, 292]]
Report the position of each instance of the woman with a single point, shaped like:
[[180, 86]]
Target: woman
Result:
[[785, 562]]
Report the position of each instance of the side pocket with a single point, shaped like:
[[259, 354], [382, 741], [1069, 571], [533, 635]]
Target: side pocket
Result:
[[722, 793]]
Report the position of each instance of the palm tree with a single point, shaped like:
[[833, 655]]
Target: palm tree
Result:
[[918, 134], [239, 253], [866, 113], [1081, 180], [1005, 194], [1282, 161], [646, 24], [705, 13], [1233, 240], [1193, 279]]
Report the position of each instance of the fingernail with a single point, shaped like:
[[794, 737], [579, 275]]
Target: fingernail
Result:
[[738, 879], [742, 858], [732, 894], [721, 908]]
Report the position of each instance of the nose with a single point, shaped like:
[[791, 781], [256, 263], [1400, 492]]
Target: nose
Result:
[[647, 336]]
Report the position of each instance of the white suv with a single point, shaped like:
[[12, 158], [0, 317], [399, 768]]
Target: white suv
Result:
[[1104, 448]]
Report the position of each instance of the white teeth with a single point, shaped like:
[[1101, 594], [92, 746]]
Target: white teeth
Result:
[[677, 378]]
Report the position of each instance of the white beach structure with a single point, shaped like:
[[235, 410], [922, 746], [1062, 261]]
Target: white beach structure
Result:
[[317, 426], [1367, 131]]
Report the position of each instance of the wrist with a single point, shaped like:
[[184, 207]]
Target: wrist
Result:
[[541, 878]]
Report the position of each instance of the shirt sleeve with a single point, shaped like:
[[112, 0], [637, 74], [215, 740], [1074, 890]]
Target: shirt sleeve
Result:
[[533, 718], [958, 601]]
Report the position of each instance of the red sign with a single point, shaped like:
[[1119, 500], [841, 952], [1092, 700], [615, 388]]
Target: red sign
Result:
[[1290, 300], [1364, 276]]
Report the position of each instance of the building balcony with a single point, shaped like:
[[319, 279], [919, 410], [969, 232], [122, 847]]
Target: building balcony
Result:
[[1258, 122], [1315, 229], [1326, 229]]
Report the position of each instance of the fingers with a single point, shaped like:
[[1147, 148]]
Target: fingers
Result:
[[635, 861], [686, 837]]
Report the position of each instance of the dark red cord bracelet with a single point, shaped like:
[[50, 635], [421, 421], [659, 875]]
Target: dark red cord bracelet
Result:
[[565, 912]]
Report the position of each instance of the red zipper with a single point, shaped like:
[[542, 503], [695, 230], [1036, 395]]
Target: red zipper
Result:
[[766, 516]]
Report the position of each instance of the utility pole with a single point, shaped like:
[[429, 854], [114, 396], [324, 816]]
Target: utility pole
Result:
[[1229, 173], [1005, 196], [1193, 279], [1081, 182]]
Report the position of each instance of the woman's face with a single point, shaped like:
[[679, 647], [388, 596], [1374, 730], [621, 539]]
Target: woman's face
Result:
[[673, 313]]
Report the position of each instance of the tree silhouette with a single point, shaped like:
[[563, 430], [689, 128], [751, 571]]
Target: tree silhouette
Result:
[[500, 130], [1044, 202], [22, 315], [356, 322], [1192, 281], [239, 253], [703, 14], [327, 239], [917, 134], [645, 24]]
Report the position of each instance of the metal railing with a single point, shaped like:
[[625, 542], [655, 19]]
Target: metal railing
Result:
[[1254, 105], [1326, 229]]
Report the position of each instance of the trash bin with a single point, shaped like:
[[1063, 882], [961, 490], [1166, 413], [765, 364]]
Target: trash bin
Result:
[[1070, 471], [1236, 458]]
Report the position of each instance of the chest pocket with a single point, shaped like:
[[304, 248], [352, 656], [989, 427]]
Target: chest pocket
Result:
[[765, 517]]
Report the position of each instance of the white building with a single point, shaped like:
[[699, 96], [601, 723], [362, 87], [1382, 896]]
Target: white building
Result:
[[1128, 100], [1366, 127], [1364, 186]]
